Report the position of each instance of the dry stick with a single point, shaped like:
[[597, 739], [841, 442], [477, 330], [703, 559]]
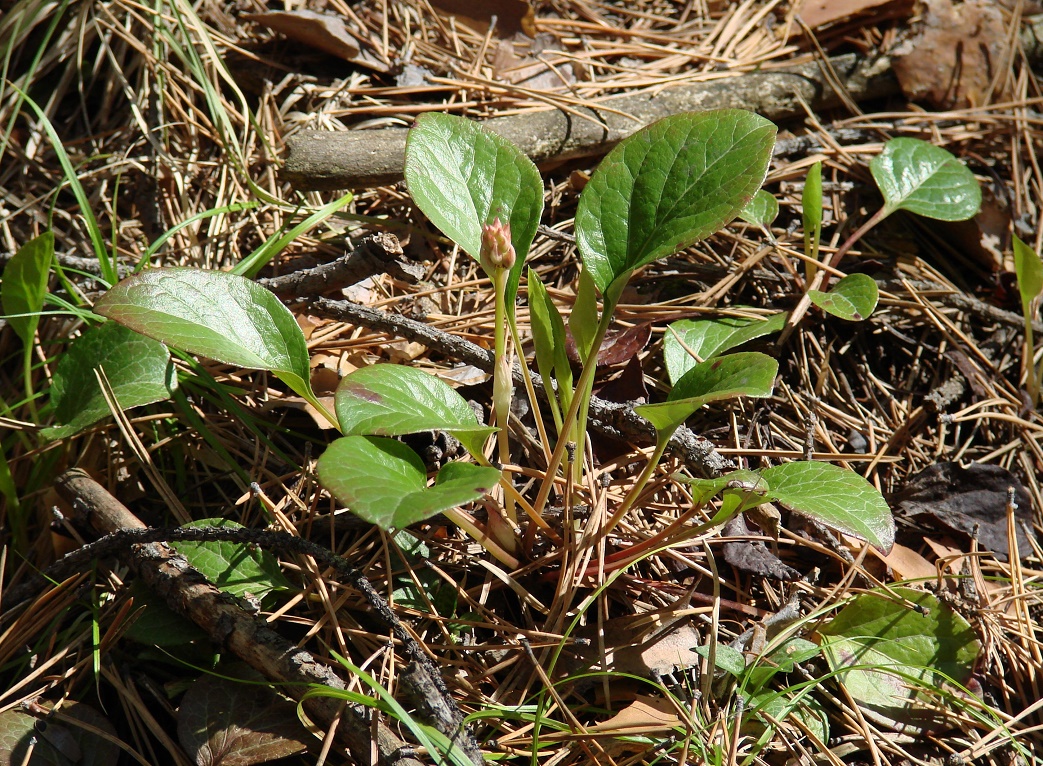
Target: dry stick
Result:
[[191, 595], [323, 160], [618, 421]]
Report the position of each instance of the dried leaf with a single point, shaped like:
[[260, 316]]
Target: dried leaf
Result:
[[322, 31], [750, 556], [817, 13], [642, 716], [512, 16], [954, 58], [965, 498]]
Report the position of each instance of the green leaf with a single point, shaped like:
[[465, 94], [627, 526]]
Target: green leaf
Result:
[[1029, 268], [384, 482], [852, 298], [25, 285], [548, 335], [707, 338], [668, 186], [138, 369], [837, 497], [216, 315], [583, 321], [780, 706], [811, 210], [235, 568], [395, 399], [703, 490], [884, 651], [925, 179], [727, 659], [743, 374], [462, 176], [761, 210]]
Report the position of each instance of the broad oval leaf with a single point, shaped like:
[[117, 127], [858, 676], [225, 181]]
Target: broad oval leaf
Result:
[[1029, 269], [761, 210], [835, 496], [668, 186], [743, 374], [462, 176], [138, 369], [384, 482], [885, 652], [224, 722], [852, 298], [81, 737], [24, 285], [216, 315], [707, 338], [925, 179], [395, 399], [236, 568]]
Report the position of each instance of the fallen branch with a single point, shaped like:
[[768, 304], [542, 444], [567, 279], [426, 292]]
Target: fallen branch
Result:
[[325, 160], [191, 595]]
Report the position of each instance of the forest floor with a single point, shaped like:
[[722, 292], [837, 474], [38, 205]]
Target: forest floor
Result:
[[155, 135]]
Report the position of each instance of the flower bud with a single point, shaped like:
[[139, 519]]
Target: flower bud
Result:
[[497, 250]]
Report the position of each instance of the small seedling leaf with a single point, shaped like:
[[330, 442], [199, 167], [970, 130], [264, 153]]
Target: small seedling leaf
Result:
[[811, 208], [703, 490], [743, 374], [1029, 269], [668, 186], [884, 651], [727, 659], [770, 706], [25, 285], [852, 298], [925, 179], [837, 497], [462, 176], [548, 334], [138, 369], [395, 399], [384, 482], [236, 568], [707, 338], [761, 210], [216, 315], [583, 321], [224, 722]]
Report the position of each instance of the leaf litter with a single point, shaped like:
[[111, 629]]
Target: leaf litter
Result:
[[941, 317]]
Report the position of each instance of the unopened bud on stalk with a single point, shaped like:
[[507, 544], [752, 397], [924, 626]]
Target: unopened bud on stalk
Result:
[[497, 250]]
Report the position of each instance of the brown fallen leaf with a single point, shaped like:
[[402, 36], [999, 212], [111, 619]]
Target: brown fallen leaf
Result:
[[323, 31], [951, 59], [512, 16], [818, 13], [644, 715]]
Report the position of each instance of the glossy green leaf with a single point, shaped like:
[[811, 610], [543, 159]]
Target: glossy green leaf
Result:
[[770, 706], [668, 186], [811, 210], [1029, 269], [216, 315], [384, 482], [925, 179], [761, 210], [707, 338], [852, 298], [138, 370], [462, 176], [835, 496], [743, 374], [25, 285], [885, 651], [235, 568], [395, 399]]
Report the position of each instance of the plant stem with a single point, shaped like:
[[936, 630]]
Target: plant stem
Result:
[[503, 386], [822, 275], [1031, 377], [662, 440], [580, 400], [530, 391]]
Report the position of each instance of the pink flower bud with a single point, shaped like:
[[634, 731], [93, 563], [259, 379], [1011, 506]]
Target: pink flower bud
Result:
[[497, 250]]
